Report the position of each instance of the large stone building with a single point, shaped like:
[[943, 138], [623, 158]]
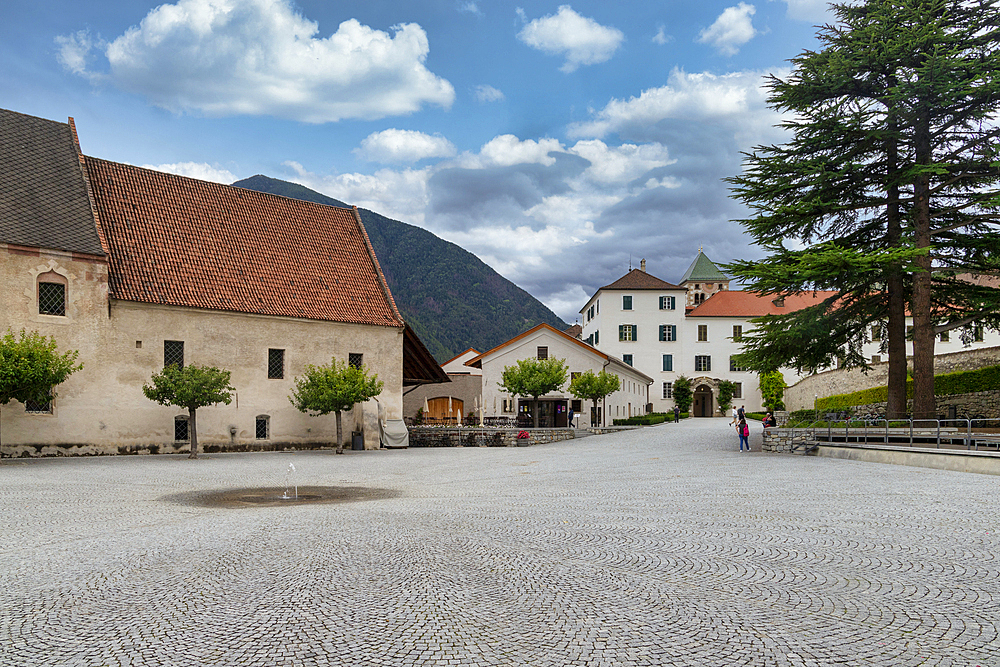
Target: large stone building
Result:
[[137, 269]]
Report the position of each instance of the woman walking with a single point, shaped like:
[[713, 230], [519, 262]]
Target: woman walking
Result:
[[744, 432]]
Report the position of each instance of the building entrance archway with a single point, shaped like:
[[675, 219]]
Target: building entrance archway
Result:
[[703, 404]]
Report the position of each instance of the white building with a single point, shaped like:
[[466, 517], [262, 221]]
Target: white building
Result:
[[541, 342]]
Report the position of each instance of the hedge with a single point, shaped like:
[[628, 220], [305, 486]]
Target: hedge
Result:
[[643, 420], [962, 382]]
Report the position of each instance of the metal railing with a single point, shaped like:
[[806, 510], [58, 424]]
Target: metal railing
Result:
[[970, 434]]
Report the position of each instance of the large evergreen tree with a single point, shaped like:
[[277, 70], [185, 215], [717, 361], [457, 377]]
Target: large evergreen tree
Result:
[[887, 185]]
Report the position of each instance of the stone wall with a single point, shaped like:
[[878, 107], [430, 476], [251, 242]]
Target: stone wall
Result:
[[430, 436], [967, 406], [40, 450], [802, 395]]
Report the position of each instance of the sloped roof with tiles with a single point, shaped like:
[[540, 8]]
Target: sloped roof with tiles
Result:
[[43, 195], [179, 241], [637, 279], [748, 304]]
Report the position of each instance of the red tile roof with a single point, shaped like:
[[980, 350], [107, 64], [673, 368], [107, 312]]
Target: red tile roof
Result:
[[748, 304], [183, 242]]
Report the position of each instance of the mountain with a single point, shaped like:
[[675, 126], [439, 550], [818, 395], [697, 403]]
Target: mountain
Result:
[[450, 297]]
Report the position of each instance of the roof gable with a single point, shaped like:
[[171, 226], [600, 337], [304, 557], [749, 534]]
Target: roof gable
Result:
[[179, 241], [703, 270], [43, 195], [637, 279]]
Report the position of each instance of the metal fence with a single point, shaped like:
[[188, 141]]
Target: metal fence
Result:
[[970, 434]]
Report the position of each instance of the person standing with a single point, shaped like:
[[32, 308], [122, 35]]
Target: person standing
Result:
[[677, 415], [743, 429]]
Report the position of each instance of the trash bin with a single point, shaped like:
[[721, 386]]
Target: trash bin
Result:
[[357, 441]]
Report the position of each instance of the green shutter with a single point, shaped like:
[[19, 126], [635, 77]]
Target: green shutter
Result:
[[635, 332], [621, 332], [668, 362]]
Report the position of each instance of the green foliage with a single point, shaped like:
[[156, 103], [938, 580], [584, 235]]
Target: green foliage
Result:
[[772, 390], [949, 384], [643, 420], [683, 393], [594, 387], [533, 377], [31, 366], [450, 297], [333, 387], [190, 387], [726, 391]]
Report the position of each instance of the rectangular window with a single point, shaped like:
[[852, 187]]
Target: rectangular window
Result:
[[275, 364], [355, 360], [262, 428], [34, 408], [627, 358], [626, 303], [597, 338], [876, 358], [977, 334], [909, 332], [173, 353], [668, 303], [668, 362], [590, 339], [626, 332], [668, 332], [576, 406], [734, 365], [737, 390], [702, 333], [51, 299], [668, 390], [876, 334], [543, 352], [945, 336], [703, 363], [181, 429], [737, 333]]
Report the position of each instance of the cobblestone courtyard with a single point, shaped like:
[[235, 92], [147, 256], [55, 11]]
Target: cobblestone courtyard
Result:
[[663, 546]]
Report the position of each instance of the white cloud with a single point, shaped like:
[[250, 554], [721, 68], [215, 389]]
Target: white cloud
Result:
[[74, 51], [469, 8], [583, 41], [731, 30], [199, 170], [261, 57], [486, 93], [506, 150], [403, 146], [661, 37], [737, 96], [814, 11]]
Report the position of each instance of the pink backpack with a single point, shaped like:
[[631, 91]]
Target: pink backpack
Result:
[[746, 430]]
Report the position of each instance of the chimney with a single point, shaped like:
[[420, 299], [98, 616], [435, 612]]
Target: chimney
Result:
[[779, 301], [642, 266]]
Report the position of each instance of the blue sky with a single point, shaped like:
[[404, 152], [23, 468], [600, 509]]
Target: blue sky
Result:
[[555, 141]]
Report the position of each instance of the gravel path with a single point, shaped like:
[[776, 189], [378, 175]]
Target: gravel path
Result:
[[660, 546]]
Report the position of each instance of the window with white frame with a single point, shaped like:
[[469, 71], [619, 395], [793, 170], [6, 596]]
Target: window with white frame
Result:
[[627, 332], [702, 333], [668, 303], [735, 366], [668, 332], [627, 358], [737, 390], [703, 363], [668, 362], [543, 352], [627, 302], [668, 390], [737, 333]]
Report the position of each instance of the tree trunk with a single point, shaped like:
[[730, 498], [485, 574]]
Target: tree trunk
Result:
[[340, 440], [193, 432], [924, 406], [534, 409], [896, 326]]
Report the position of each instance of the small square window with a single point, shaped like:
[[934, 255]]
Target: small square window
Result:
[[173, 353], [181, 429], [51, 299], [275, 364], [355, 360], [543, 352], [138, 344], [262, 428]]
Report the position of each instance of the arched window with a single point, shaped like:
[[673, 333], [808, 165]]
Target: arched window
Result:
[[52, 293]]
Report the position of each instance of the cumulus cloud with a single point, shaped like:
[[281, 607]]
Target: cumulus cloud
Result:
[[262, 57], [486, 93], [581, 40], [731, 30], [403, 146], [200, 170]]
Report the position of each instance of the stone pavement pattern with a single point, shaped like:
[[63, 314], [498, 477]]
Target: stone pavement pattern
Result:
[[662, 546]]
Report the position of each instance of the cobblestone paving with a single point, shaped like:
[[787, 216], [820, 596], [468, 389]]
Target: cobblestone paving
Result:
[[663, 546]]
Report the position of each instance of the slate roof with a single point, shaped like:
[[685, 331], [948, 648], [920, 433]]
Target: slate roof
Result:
[[179, 241], [748, 304], [703, 270], [637, 279], [43, 195]]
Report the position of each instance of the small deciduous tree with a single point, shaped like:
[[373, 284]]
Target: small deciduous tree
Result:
[[190, 387], [335, 387], [726, 391], [594, 387], [683, 395], [31, 367], [772, 390], [533, 377]]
